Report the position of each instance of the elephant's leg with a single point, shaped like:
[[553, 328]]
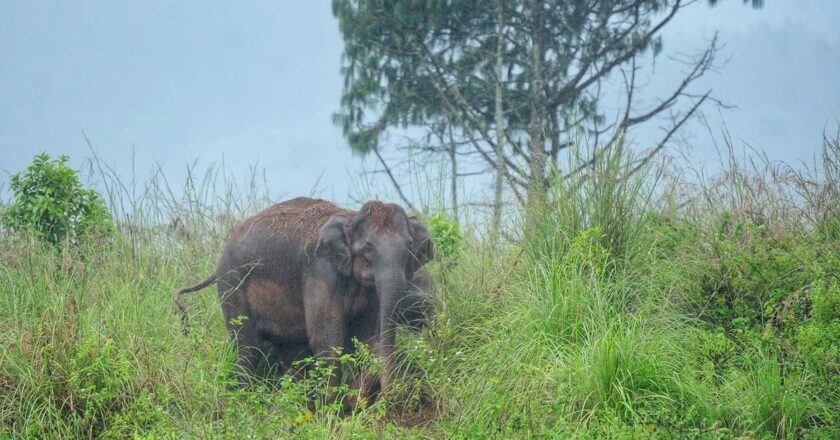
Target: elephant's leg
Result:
[[365, 328], [286, 354], [248, 342], [416, 308], [368, 386], [241, 329], [325, 318]]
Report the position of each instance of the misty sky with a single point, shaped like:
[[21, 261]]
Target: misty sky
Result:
[[257, 82]]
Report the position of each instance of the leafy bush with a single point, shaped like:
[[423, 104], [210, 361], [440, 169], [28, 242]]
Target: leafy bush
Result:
[[49, 199], [446, 234], [818, 345], [758, 282]]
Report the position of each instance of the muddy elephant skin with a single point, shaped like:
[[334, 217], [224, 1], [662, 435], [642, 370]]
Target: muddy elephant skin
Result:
[[305, 277]]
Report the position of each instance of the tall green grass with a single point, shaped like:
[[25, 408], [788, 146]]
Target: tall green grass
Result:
[[622, 306]]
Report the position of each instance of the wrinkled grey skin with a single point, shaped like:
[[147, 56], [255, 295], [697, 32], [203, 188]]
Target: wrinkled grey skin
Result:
[[417, 307], [305, 277]]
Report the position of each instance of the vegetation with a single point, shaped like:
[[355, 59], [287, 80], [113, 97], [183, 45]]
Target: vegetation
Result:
[[504, 88], [49, 200], [626, 307]]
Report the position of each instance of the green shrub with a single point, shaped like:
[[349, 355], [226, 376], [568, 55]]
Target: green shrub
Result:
[[825, 303], [49, 199], [446, 234], [758, 281], [818, 345]]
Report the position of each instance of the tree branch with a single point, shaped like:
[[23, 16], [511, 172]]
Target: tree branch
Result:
[[394, 181]]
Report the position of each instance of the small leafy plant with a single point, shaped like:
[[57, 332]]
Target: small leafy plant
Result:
[[48, 199], [446, 234]]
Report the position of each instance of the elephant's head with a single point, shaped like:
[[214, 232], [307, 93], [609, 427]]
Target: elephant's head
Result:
[[380, 246]]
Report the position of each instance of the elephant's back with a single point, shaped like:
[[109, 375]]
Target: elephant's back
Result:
[[280, 236], [299, 219]]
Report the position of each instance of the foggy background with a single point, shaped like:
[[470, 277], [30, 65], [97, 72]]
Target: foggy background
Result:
[[256, 83]]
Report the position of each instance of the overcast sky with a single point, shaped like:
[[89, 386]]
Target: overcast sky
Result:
[[257, 82]]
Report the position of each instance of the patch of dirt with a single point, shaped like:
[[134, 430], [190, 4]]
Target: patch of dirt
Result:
[[383, 215], [300, 218]]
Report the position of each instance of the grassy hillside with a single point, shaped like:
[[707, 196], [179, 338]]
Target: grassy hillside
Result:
[[624, 306]]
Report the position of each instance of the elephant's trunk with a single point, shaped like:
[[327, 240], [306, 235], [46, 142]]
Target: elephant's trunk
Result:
[[390, 284]]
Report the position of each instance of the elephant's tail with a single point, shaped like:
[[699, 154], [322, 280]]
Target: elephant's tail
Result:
[[179, 299]]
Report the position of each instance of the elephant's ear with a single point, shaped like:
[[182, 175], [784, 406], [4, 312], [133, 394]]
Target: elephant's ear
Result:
[[423, 249], [334, 243]]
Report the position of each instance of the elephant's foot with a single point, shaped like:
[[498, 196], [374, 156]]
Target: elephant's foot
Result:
[[367, 390]]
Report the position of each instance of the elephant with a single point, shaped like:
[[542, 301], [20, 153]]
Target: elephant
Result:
[[304, 277], [416, 308]]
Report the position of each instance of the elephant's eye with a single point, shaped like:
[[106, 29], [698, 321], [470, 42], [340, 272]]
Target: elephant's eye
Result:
[[367, 252]]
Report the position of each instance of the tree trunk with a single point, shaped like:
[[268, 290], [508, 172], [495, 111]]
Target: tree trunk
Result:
[[454, 171], [536, 132], [500, 125]]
